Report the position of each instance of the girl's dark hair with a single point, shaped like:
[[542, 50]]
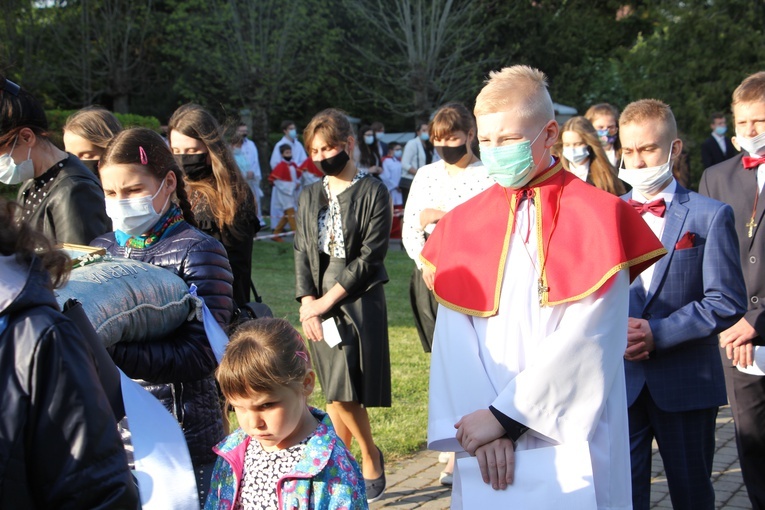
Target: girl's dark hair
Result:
[[95, 124], [369, 156], [226, 190], [263, 355], [125, 149], [19, 110], [332, 124], [22, 240]]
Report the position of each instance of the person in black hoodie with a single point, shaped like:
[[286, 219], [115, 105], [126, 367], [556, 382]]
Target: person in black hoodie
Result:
[[59, 446]]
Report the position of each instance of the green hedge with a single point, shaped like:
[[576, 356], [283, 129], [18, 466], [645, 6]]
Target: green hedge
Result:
[[57, 119]]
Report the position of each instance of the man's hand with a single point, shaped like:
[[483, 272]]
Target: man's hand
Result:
[[739, 334], [639, 340], [497, 462], [743, 355], [429, 276], [477, 429]]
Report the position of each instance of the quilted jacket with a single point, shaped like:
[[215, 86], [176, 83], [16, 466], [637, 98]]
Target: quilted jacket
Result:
[[178, 370]]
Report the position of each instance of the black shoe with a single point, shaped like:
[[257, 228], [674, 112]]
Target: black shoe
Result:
[[376, 487]]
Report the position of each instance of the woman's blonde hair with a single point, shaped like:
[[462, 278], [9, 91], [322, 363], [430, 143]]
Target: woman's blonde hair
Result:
[[263, 355], [225, 191], [95, 124], [602, 173]]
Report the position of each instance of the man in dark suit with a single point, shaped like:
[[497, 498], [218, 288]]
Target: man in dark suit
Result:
[[677, 307], [739, 182], [717, 148]]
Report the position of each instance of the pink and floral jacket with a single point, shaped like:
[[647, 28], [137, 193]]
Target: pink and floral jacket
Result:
[[327, 477]]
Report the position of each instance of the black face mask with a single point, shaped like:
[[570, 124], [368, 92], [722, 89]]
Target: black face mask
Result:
[[451, 155], [195, 166], [335, 164], [287, 158], [91, 164]]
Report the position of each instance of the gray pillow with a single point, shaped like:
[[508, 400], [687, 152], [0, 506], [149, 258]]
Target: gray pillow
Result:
[[128, 300]]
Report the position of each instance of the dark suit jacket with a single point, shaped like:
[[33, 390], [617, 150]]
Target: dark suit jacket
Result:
[[729, 182], [711, 153], [694, 294]]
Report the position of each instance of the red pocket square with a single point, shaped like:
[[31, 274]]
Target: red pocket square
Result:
[[686, 241]]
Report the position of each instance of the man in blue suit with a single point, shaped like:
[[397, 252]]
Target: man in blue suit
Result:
[[677, 307]]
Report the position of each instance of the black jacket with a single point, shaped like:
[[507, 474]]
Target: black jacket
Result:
[[367, 213], [239, 250], [178, 369], [73, 211], [711, 154], [729, 182], [59, 446]]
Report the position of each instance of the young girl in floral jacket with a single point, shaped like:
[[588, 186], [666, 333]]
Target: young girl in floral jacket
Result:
[[285, 455]]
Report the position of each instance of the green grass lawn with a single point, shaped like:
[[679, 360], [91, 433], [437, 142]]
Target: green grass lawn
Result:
[[399, 430]]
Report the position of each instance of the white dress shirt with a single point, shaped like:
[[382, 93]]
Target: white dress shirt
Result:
[[655, 223]]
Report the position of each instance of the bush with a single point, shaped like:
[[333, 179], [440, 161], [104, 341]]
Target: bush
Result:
[[57, 119]]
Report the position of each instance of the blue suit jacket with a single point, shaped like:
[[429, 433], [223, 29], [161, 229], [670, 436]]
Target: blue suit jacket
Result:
[[695, 293]]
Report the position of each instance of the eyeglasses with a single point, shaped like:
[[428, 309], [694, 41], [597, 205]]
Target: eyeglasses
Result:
[[10, 87]]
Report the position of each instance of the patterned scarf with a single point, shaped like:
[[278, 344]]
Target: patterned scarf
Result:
[[172, 217]]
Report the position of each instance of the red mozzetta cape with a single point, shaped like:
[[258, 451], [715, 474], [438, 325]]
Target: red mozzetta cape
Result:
[[310, 167], [281, 172], [594, 236]]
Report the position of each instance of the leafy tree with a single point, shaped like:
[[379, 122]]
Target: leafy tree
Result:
[[413, 55], [267, 56], [696, 55]]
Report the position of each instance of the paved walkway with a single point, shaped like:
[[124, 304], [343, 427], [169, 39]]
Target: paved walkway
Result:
[[413, 483]]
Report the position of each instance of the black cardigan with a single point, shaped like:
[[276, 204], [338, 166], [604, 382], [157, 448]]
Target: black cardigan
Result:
[[366, 213]]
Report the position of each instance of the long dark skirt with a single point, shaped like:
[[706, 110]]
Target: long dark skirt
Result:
[[358, 369], [424, 307]]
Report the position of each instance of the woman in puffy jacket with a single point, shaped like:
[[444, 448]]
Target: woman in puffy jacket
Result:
[[153, 222], [59, 447]]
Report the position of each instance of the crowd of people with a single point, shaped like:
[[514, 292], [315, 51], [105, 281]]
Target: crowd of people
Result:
[[574, 295]]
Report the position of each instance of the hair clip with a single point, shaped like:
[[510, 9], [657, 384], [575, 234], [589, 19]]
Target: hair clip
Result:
[[10, 87], [142, 153], [302, 355]]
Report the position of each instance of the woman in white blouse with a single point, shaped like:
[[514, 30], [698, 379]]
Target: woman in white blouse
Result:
[[436, 189]]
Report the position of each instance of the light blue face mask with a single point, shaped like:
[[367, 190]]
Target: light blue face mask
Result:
[[511, 166], [12, 173], [721, 130], [424, 137], [293, 133]]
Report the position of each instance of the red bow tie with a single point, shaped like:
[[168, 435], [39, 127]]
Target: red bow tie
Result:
[[657, 207], [750, 162]]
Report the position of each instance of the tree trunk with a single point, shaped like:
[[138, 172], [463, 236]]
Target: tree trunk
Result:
[[122, 103]]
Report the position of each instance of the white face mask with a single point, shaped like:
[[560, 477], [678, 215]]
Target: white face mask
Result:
[[754, 146], [134, 216], [649, 180], [576, 154], [13, 173]]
